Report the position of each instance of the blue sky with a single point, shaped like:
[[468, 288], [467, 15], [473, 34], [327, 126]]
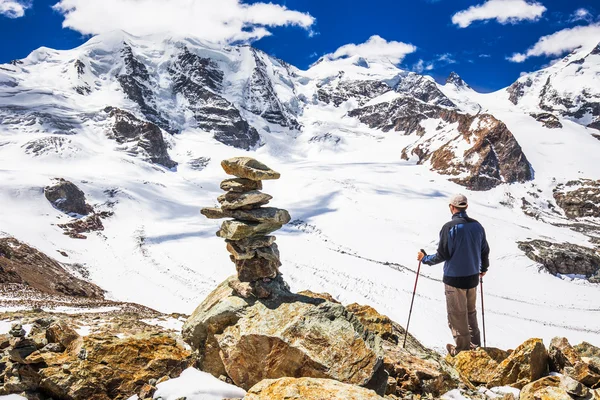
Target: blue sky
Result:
[[475, 45]]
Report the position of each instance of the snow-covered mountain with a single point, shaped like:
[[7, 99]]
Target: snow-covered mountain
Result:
[[368, 155]]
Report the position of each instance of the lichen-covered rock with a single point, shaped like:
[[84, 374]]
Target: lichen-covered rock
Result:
[[298, 339], [308, 389], [261, 214], [478, 366], [256, 268], [67, 197], [566, 360], [240, 185], [527, 363], [61, 333], [237, 230], [379, 324], [249, 168], [562, 385]]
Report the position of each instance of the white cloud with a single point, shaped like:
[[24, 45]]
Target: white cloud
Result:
[[561, 42], [504, 11], [376, 48], [421, 66], [13, 8], [222, 21], [485, 56], [581, 14], [440, 61]]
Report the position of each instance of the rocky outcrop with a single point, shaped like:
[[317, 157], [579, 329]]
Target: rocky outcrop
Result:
[[549, 121], [289, 335], [564, 258], [527, 363], [198, 79], [360, 91], [67, 197], [422, 88], [25, 266], [478, 366], [140, 138], [456, 80], [554, 387], [255, 254], [54, 361], [579, 199], [135, 82], [567, 360], [308, 388], [517, 90]]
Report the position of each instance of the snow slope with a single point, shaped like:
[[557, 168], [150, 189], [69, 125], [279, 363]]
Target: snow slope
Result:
[[359, 212]]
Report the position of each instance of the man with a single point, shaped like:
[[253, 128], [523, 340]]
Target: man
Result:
[[465, 250]]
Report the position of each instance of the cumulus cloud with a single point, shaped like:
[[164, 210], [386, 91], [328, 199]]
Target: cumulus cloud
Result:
[[13, 8], [421, 66], [561, 42], [222, 21], [439, 61], [376, 48], [504, 11]]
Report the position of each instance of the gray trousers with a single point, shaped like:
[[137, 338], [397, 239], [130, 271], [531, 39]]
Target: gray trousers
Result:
[[462, 316]]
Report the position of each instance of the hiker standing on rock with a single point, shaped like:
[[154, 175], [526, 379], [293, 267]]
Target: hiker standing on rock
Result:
[[465, 251]]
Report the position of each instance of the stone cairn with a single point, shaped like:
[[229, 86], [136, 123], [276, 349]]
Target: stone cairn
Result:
[[253, 251]]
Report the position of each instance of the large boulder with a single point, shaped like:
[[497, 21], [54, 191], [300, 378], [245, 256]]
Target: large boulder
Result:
[[580, 198], [307, 389], [288, 335], [67, 197], [478, 366], [560, 386], [527, 363], [566, 360]]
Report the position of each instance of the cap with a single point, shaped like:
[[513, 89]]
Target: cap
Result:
[[459, 201]]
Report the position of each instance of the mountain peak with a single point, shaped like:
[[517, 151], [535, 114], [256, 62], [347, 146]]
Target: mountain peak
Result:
[[596, 49], [456, 80]]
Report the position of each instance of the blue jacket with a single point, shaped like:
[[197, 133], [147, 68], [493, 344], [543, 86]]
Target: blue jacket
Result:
[[463, 247]]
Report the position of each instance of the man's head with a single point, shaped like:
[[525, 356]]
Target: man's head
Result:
[[458, 203]]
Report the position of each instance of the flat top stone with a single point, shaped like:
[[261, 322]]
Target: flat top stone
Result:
[[249, 168]]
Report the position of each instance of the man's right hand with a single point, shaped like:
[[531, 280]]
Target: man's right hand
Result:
[[482, 274], [420, 256]]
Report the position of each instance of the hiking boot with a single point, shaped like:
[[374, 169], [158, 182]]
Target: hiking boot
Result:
[[451, 349]]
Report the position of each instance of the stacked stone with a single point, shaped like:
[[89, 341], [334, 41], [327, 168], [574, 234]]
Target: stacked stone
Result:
[[253, 251]]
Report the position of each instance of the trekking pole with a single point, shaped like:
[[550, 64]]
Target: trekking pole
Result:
[[482, 311], [412, 301]]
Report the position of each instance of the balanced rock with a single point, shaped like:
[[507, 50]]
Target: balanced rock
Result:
[[308, 388], [248, 200], [270, 253], [478, 366], [527, 363], [237, 230], [566, 360], [262, 214], [240, 185], [249, 168], [256, 268], [253, 243]]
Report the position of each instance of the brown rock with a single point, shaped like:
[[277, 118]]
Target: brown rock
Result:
[[240, 185], [256, 268], [375, 322], [324, 296], [566, 360], [147, 392], [528, 363], [249, 168], [298, 339], [252, 199], [270, 253], [552, 393], [585, 349], [114, 368], [563, 384], [253, 243], [478, 366], [242, 289], [60, 332], [237, 230], [308, 389], [528, 392]]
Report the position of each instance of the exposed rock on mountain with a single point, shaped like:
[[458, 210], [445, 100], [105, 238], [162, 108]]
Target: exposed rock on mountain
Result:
[[49, 145], [549, 121], [422, 88], [579, 199], [308, 388], [67, 197], [360, 91], [140, 138], [261, 98], [197, 80], [23, 265], [135, 82], [483, 154], [456, 80], [564, 258]]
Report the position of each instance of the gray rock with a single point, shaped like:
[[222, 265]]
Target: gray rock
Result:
[[67, 197], [252, 199]]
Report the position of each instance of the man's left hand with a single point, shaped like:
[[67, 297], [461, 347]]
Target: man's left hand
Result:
[[420, 256]]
